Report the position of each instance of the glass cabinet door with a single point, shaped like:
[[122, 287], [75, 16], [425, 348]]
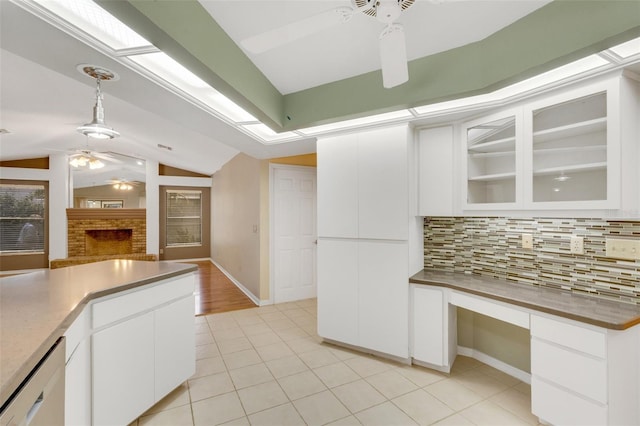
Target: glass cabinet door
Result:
[[491, 161], [569, 148]]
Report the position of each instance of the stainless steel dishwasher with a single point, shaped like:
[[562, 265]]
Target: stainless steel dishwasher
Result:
[[40, 398]]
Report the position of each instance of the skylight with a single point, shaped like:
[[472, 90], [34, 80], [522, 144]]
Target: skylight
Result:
[[549, 78], [94, 20], [628, 49], [165, 67], [402, 115], [264, 132]]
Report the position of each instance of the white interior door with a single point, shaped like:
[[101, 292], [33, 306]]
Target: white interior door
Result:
[[294, 233]]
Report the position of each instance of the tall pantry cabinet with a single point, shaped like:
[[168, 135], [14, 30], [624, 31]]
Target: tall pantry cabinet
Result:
[[366, 238]]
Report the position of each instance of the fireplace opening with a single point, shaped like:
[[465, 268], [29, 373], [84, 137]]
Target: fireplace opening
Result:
[[108, 241]]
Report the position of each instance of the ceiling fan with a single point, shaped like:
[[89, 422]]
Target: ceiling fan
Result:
[[88, 158], [393, 52], [123, 184]]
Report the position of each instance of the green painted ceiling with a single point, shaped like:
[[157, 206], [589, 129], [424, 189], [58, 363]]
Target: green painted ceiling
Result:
[[558, 33]]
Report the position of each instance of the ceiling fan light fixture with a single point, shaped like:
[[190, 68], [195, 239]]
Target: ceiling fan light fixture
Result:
[[79, 161], [94, 164], [123, 186], [97, 128]]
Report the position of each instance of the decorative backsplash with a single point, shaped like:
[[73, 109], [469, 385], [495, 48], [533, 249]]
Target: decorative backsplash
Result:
[[491, 246]]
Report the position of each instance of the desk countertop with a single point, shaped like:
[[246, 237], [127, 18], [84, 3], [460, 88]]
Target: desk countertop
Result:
[[588, 309], [37, 308]]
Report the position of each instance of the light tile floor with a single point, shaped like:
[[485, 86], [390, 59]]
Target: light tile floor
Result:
[[267, 366]]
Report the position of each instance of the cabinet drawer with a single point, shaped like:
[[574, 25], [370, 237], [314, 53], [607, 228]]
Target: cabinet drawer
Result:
[[581, 373], [559, 407], [141, 300], [569, 335], [490, 309]]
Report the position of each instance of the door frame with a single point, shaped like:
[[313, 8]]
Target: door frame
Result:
[[272, 223]]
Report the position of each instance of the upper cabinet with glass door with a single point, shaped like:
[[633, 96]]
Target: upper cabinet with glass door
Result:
[[570, 141], [492, 161], [573, 151]]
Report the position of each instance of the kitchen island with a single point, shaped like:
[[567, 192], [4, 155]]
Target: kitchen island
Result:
[[85, 303]]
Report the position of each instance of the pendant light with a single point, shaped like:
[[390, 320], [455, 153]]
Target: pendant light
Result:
[[97, 127]]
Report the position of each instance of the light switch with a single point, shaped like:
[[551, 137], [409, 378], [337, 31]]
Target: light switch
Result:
[[623, 248], [527, 241]]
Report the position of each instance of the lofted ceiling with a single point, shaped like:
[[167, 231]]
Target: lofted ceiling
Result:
[[456, 48], [351, 48]]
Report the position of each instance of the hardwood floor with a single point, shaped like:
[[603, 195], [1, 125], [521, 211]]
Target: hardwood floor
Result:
[[215, 293]]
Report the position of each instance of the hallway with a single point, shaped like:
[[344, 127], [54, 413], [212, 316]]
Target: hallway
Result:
[[215, 293]]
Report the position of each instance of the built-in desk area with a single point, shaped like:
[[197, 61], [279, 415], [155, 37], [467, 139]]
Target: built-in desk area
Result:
[[585, 351]]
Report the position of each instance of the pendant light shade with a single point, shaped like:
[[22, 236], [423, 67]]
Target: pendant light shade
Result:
[[97, 128]]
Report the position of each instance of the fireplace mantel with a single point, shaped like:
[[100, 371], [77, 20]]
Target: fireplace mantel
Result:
[[75, 214]]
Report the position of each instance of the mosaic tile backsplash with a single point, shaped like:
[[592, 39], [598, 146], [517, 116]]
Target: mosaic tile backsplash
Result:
[[491, 246]]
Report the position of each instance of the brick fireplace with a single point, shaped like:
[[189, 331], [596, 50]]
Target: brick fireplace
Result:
[[96, 232]]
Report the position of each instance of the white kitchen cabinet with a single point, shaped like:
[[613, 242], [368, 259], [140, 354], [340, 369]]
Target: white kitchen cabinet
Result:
[[123, 371], [492, 161], [363, 185], [383, 295], [570, 139], [77, 398], [142, 347], [436, 172], [383, 191], [362, 294], [573, 150], [337, 207], [363, 258], [338, 290], [433, 328], [174, 346], [583, 374]]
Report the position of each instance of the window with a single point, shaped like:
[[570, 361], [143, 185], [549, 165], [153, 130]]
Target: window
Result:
[[22, 218], [184, 218]]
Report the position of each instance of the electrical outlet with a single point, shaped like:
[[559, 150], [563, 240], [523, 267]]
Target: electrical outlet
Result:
[[527, 241], [577, 245], [623, 248]]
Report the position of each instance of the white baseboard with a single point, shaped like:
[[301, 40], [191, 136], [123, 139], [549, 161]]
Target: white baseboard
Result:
[[237, 283], [202, 259], [495, 363]]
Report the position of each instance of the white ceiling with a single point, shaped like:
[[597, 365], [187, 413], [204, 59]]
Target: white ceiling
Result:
[[43, 98], [351, 49]]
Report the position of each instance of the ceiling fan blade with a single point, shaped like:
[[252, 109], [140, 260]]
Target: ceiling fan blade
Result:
[[288, 33], [393, 56], [106, 157]]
